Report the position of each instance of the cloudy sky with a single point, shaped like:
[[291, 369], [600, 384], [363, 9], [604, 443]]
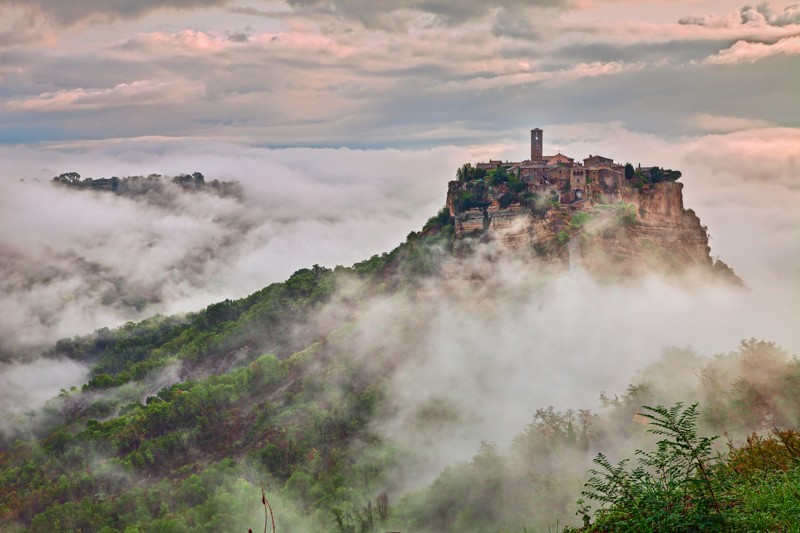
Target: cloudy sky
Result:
[[377, 74], [344, 119]]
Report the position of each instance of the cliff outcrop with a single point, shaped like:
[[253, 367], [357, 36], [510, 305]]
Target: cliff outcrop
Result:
[[623, 232]]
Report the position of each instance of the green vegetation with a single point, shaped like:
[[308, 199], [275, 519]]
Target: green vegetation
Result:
[[183, 418], [658, 174], [497, 176], [478, 186], [639, 178], [119, 455], [683, 486], [467, 173], [722, 269], [579, 219], [627, 214], [268, 320], [670, 489], [629, 171], [438, 222], [687, 482], [192, 455]]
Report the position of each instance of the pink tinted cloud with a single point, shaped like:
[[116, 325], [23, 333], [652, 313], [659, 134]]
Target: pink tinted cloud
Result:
[[190, 41], [747, 52], [764, 155], [529, 75], [300, 37], [125, 94]]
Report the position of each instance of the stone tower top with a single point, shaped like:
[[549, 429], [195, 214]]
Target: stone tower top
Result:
[[536, 144]]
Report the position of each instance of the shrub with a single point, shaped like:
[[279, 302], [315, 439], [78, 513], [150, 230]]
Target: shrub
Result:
[[670, 489], [579, 219], [627, 216]]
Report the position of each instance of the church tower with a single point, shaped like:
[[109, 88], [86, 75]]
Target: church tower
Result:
[[536, 144]]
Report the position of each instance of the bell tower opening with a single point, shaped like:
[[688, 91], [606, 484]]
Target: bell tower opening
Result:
[[536, 144]]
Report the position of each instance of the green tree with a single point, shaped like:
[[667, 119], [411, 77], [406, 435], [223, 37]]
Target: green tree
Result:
[[629, 171]]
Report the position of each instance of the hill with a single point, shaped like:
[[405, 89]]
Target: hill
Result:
[[345, 389]]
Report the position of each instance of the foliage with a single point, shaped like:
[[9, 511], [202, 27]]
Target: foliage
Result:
[[474, 196], [670, 489], [778, 452], [627, 215], [266, 409], [154, 184], [498, 176], [658, 174], [192, 456], [438, 221], [682, 486], [629, 171], [467, 173], [255, 323], [724, 271], [579, 219]]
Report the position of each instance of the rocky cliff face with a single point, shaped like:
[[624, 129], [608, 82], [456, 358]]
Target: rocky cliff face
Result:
[[624, 233]]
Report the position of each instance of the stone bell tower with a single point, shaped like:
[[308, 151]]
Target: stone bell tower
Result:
[[536, 144]]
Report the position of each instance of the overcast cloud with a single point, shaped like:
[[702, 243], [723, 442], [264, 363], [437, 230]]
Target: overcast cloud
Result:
[[238, 73]]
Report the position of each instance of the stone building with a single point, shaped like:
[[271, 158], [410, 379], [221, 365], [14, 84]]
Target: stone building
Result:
[[597, 160], [537, 142], [560, 176]]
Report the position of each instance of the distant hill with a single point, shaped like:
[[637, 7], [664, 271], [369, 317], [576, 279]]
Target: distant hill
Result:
[[150, 185]]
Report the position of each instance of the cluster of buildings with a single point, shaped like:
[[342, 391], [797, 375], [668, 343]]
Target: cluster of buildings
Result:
[[573, 181]]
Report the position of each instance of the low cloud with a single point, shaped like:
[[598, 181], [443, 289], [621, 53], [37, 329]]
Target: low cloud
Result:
[[470, 357], [74, 261], [724, 124], [25, 387]]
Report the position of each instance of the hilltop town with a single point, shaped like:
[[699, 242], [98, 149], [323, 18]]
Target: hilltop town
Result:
[[621, 219], [556, 178]]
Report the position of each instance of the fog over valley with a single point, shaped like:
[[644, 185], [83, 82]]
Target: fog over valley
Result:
[[305, 262]]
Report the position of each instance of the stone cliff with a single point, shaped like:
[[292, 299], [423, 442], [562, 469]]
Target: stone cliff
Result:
[[625, 232]]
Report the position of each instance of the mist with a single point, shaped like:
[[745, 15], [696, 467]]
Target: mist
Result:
[[521, 339], [74, 261], [482, 346]]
